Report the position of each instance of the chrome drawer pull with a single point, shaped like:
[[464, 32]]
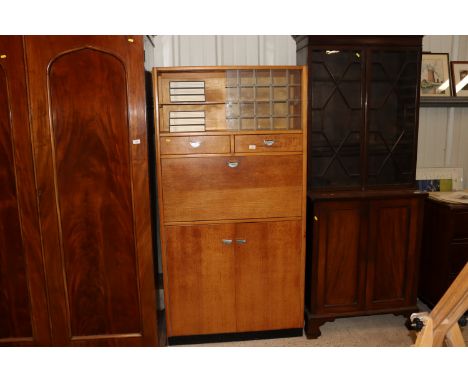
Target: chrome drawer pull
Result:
[[241, 241], [269, 142], [233, 164], [227, 241], [195, 144]]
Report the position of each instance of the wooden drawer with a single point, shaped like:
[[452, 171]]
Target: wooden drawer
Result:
[[231, 187], [197, 144], [460, 225], [268, 142], [192, 87]]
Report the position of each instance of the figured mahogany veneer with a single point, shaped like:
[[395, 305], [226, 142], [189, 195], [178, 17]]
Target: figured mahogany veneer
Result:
[[75, 238], [233, 202], [23, 304], [88, 105]]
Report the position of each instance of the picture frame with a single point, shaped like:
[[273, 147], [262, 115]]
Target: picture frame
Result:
[[459, 78], [435, 75]]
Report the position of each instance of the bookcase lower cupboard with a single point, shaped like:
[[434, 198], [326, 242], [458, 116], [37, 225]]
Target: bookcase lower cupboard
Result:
[[231, 144]]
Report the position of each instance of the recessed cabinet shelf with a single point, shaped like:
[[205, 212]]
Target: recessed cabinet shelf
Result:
[[443, 102], [234, 100]]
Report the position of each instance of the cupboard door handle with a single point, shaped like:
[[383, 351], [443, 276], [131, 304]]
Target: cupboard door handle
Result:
[[233, 164], [241, 241], [269, 142], [195, 144], [227, 241]]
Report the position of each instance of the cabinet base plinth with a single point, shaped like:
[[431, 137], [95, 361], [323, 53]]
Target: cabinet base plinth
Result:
[[230, 337]]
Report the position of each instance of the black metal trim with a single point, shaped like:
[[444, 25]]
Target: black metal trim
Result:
[[230, 337]]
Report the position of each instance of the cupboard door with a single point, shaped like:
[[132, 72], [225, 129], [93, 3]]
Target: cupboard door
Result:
[[339, 242], [393, 252], [269, 292], [199, 279], [23, 304], [87, 106]]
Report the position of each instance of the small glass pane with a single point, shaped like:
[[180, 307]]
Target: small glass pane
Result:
[[263, 123], [231, 78], [232, 94], [295, 108], [263, 109], [246, 77], [263, 78], [294, 123], [247, 124], [262, 94], [232, 124], [280, 123], [279, 77], [295, 92], [294, 77], [232, 110], [280, 93], [247, 110], [280, 109], [246, 94]]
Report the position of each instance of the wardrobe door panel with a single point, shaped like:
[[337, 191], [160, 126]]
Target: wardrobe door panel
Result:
[[90, 135], [23, 306], [93, 182]]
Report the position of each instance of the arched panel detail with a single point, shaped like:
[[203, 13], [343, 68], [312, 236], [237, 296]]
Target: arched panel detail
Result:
[[92, 174]]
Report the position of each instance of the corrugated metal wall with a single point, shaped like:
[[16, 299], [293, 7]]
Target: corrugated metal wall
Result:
[[443, 132], [224, 50]]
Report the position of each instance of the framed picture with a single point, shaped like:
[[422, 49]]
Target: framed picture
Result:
[[435, 75], [460, 78]]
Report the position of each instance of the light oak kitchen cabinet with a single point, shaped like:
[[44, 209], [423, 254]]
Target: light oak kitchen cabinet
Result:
[[231, 163]]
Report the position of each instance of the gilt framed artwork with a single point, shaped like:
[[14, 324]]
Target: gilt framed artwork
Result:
[[460, 78], [435, 75]]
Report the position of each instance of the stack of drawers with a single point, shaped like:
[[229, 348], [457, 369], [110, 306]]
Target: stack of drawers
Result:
[[233, 210]]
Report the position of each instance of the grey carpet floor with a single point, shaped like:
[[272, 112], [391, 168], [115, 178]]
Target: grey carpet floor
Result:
[[380, 330]]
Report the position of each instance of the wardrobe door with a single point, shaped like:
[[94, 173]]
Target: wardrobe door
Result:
[[23, 304], [88, 122]]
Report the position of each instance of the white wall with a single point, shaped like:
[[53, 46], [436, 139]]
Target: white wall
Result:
[[443, 132], [224, 50]]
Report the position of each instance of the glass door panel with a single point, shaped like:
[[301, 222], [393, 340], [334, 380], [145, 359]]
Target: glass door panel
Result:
[[336, 119]]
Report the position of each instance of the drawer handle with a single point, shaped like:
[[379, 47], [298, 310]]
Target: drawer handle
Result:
[[227, 241], [195, 144], [241, 241], [269, 142], [232, 164]]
